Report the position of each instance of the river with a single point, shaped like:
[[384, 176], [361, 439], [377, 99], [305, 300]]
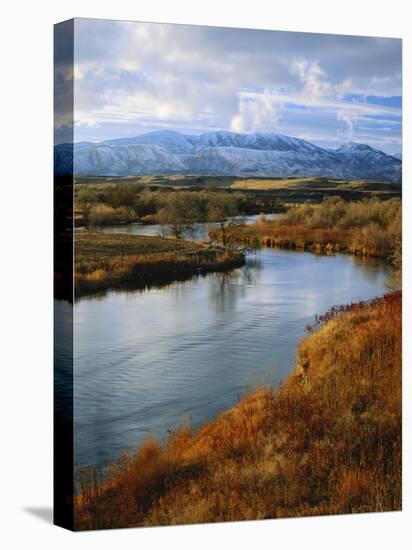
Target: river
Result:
[[151, 360], [200, 230]]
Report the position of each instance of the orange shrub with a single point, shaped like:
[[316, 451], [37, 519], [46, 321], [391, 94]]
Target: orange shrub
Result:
[[328, 441]]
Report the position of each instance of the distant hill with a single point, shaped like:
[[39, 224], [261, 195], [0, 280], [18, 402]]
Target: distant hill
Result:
[[226, 154]]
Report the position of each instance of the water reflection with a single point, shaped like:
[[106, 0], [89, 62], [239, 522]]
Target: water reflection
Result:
[[149, 360], [225, 289], [369, 267], [155, 230]]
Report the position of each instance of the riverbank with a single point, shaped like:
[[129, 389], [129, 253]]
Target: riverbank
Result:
[[318, 240], [364, 228], [104, 261], [328, 441]]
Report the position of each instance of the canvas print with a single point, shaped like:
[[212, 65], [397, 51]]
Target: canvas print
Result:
[[228, 251]]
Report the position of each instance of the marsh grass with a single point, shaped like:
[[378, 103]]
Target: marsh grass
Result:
[[105, 261], [367, 228], [328, 441]]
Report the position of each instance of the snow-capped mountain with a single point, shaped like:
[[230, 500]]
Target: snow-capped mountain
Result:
[[226, 154], [361, 158], [103, 160], [177, 143]]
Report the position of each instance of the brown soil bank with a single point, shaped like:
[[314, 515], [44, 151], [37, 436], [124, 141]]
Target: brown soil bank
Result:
[[104, 261], [327, 442]]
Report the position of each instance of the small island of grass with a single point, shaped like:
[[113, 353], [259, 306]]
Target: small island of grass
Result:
[[109, 261]]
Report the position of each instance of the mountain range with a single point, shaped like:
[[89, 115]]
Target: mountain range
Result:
[[225, 154]]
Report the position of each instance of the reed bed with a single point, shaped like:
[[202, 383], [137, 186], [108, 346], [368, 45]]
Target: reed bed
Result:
[[369, 228], [104, 261]]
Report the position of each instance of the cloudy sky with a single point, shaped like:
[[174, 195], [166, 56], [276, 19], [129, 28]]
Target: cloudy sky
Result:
[[132, 78]]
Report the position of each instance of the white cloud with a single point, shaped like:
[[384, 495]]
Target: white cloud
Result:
[[349, 118], [256, 113], [318, 90], [131, 77], [316, 84]]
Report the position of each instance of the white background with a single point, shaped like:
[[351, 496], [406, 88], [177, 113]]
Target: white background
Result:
[[26, 272]]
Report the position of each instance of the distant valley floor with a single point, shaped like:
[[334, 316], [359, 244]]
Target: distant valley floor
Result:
[[288, 190]]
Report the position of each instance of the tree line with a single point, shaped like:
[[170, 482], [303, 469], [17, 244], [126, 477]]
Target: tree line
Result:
[[177, 212]]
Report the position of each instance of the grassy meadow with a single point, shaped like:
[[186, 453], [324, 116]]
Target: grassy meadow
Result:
[[104, 261], [328, 441], [247, 183]]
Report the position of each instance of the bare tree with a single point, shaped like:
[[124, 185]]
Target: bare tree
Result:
[[223, 214], [179, 214]]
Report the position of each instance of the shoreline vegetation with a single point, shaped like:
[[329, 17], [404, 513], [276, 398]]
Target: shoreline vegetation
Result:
[[113, 200], [109, 261], [328, 441], [369, 228]]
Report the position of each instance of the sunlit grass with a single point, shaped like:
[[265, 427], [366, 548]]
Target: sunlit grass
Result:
[[367, 228], [111, 260], [327, 442]]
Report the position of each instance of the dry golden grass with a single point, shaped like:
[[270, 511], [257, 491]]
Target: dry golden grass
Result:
[[283, 183], [105, 261], [327, 442], [178, 181], [313, 184], [368, 228]]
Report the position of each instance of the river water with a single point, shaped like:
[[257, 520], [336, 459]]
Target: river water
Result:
[[200, 230], [148, 361]]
